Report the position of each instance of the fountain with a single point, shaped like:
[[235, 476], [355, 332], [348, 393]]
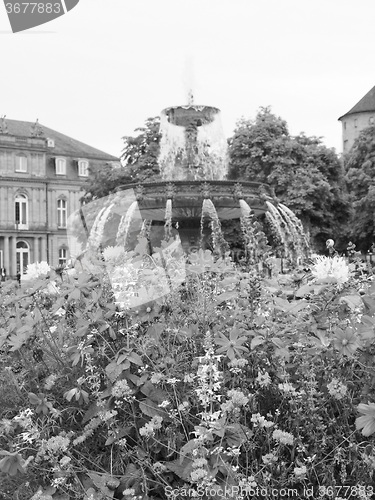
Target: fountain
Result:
[[194, 196]]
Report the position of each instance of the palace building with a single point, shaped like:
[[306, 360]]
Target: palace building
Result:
[[42, 178]]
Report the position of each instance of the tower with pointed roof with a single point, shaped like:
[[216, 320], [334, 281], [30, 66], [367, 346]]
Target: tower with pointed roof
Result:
[[361, 116], [42, 178]]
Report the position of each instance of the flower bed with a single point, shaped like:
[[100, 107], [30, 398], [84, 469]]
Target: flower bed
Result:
[[221, 388]]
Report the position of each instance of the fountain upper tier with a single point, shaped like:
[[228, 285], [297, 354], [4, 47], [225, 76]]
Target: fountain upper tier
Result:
[[193, 145]]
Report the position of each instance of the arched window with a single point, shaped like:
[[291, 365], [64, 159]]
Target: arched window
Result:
[[23, 257], [21, 211], [63, 256], [21, 163], [62, 208], [83, 168]]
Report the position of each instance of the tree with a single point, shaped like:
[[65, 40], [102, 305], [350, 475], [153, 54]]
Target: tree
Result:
[[141, 152], [360, 178], [139, 163], [104, 179], [304, 174]]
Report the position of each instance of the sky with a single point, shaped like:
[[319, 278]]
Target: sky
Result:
[[98, 72]]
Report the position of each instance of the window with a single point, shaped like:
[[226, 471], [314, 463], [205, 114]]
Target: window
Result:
[[83, 168], [21, 163], [344, 125], [22, 257], [62, 256], [60, 166], [371, 120], [356, 123], [61, 212], [21, 211]]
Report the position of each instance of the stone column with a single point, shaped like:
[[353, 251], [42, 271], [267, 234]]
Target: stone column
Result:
[[44, 248], [53, 211], [36, 249], [6, 255], [13, 256]]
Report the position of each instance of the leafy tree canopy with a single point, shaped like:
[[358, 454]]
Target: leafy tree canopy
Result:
[[139, 162], [104, 179], [305, 175], [360, 178], [141, 152]]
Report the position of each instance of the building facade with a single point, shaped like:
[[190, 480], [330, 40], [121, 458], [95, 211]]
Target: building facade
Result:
[[361, 116], [42, 178]]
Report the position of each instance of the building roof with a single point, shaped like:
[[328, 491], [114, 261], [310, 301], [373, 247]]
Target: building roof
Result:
[[64, 145], [367, 103]]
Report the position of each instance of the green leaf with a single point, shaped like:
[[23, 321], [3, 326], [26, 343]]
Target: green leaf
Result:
[[102, 481], [151, 409], [12, 463], [181, 469], [258, 340], [237, 434], [68, 395], [34, 399], [113, 370]]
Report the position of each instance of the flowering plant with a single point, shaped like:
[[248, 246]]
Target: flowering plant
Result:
[[226, 382]]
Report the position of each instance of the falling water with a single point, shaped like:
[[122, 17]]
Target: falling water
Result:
[[97, 230], [212, 150], [256, 244], [168, 220], [172, 146], [145, 229], [278, 227], [288, 230], [125, 222], [218, 242]]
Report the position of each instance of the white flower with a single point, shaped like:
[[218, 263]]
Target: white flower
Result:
[[37, 270], [287, 388], [121, 389], [300, 471], [128, 492], [326, 268], [260, 421], [57, 444], [282, 437], [112, 253], [156, 378], [263, 379], [269, 458], [337, 389], [189, 377]]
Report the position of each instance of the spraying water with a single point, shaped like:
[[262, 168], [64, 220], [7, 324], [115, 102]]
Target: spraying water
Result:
[[125, 223], [168, 220], [97, 231]]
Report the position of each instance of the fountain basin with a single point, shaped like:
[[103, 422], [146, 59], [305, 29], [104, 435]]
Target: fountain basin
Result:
[[187, 198]]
